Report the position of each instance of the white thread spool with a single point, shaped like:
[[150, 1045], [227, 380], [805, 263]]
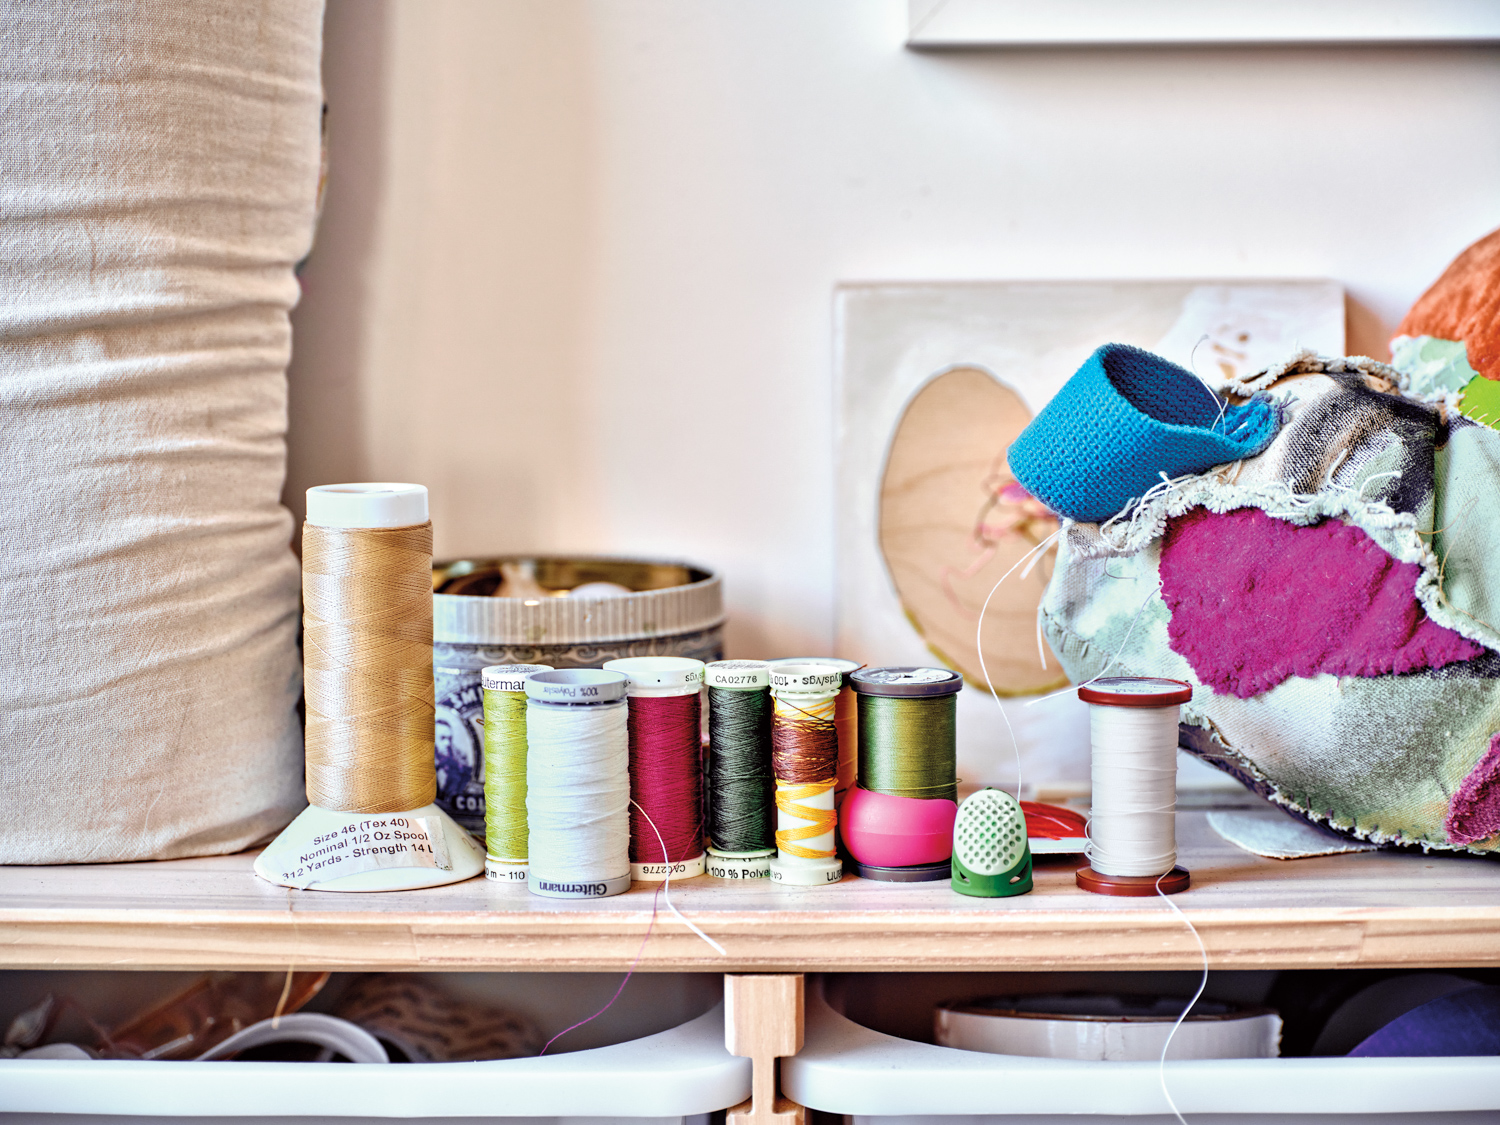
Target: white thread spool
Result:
[[577, 784], [1132, 845]]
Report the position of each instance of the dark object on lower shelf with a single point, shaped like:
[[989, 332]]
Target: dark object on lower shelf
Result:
[[1462, 1023]]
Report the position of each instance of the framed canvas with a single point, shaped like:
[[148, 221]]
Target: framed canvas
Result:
[[934, 381]]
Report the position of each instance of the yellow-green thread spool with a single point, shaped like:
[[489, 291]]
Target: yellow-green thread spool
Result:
[[505, 825], [908, 731]]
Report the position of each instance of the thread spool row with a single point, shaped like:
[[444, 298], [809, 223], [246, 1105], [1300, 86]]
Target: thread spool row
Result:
[[595, 777]]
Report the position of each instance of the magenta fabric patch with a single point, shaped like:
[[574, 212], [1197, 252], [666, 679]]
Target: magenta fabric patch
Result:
[[1474, 812], [1256, 600]]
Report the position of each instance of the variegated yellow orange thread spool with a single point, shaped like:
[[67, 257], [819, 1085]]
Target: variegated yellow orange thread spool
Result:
[[805, 759], [367, 650], [845, 718], [789, 800]]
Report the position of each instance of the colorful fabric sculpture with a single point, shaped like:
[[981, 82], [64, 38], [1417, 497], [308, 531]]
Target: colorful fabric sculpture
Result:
[[1125, 419], [1333, 595], [1333, 600]]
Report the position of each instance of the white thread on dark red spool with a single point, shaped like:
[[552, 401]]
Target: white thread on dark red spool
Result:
[[1132, 823]]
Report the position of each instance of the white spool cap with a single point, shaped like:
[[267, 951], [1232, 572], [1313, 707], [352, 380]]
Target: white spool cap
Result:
[[509, 677], [806, 679], [844, 666], [657, 676], [367, 505], [575, 686], [738, 675]]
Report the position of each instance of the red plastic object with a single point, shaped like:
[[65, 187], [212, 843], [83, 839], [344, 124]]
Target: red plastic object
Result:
[[1052, 822]]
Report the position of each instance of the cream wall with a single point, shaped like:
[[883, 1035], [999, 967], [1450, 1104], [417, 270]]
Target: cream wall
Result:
[[577, 257]]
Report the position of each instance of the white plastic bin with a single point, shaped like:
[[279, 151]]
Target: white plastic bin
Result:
[[878, 1079], [671, 1077]]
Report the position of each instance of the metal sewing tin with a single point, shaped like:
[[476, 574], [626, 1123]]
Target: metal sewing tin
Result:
[[671, 609]]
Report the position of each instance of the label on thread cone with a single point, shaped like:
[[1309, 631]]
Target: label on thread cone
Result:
[[371, 844], [656, 872], [505, 871], [739, 865], [799, 872]]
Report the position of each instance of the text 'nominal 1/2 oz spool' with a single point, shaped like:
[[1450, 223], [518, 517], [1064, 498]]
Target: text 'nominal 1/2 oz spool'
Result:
[[505, 826], [577, 784], [897, 823], [1132, 846], [741, 787], [666, 765], [805, 757], [367, 638]]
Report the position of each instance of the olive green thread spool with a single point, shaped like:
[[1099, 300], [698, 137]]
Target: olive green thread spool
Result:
[[908, 746], [505, 824]]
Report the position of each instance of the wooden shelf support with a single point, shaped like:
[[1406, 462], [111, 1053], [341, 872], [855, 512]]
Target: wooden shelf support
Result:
[[763, 1022]]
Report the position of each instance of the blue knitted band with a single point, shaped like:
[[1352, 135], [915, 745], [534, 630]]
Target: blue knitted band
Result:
[[1124, 418]]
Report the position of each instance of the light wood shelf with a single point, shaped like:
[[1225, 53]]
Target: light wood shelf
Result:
[[1365, 909]]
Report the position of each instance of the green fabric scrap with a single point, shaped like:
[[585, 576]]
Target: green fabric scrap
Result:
[[1481, 401], [1435, 369]]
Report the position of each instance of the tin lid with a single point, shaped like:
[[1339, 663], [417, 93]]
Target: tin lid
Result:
[[576, 685], [908, 682], [738, 675], [1136, 691]]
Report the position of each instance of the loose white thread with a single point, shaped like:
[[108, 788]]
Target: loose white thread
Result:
[[1032, 556], [577, 791], [1161, 1067], [1132, 824], [666, 884], [1113, 660]]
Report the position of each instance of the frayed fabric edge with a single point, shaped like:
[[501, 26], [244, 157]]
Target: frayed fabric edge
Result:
[[1246, 771]]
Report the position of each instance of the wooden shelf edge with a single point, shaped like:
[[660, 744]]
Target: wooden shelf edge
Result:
[[1266, 939]]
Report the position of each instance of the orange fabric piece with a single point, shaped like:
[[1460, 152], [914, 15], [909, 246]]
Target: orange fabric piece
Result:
[[1464, 304]]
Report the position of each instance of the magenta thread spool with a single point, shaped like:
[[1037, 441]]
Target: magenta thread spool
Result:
[[666, 765]]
